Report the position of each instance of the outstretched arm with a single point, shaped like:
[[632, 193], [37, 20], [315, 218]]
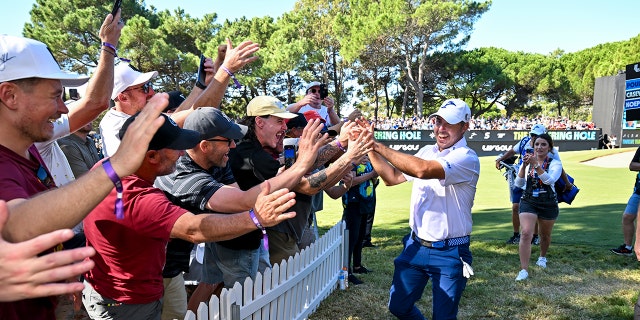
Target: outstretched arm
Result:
[[68, 205]]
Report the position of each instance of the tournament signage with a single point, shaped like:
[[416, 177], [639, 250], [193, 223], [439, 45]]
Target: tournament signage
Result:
[[632, 92], [487, 142]]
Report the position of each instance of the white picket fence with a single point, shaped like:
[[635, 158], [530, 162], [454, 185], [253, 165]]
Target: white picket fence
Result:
[[291, 290]]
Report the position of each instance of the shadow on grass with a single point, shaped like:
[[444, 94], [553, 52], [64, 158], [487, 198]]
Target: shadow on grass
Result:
[[583, 279]]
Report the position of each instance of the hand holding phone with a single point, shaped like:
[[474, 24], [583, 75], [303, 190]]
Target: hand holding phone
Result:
[[201, 73], [289, 155], [116, 6]]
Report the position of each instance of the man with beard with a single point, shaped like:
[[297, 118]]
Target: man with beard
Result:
[[204, 183], [444, 178], [255, 160]]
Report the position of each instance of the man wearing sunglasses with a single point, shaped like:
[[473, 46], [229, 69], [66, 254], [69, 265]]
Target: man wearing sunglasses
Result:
[[313, 100], [133, 88]]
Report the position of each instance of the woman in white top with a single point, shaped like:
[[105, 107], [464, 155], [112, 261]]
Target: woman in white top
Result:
[[538, 174]]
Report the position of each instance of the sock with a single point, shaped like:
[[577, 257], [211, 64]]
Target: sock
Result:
[[628, 247]]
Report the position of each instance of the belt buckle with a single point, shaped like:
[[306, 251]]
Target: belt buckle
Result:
[[438, 244]]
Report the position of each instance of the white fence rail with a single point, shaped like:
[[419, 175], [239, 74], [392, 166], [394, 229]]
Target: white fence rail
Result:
[[291, 290]]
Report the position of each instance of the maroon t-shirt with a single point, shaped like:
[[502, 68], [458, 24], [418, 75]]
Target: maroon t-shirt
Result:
[[19, 180], [131, 251]]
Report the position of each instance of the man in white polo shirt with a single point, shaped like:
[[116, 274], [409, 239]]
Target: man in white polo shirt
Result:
[[444, 178]]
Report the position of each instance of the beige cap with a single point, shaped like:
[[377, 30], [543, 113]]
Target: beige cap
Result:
[[268, 106]]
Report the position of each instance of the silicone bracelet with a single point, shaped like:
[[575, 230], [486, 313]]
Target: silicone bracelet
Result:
[[233, 76], [119, 208], [340, 146], [265, 238]]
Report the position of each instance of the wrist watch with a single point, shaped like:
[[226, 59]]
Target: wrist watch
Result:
[[536, 166]]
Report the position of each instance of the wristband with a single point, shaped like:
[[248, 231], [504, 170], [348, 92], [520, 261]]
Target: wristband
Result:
[[233, 76], [119, 209], [265, 238], [115, 52], [340, 146]]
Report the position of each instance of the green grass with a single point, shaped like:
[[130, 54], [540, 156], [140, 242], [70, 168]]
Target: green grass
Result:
[[583, 279]]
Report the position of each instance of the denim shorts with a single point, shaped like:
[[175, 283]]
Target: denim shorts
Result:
[[632, 205]]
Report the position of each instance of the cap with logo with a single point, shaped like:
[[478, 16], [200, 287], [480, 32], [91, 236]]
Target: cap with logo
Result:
[[453, 111], [211, 122], [313, 114], [168, 136], [268, 106], [538, 129], [125, 76], [23, 58]]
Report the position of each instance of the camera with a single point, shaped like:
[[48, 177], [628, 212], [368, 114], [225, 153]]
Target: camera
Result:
[[289, 155], [324, 92], [528, 151]]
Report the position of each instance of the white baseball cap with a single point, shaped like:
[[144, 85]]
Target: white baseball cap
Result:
[[453, 111], [311, 85], [22, 58], [124, 76], [538, 129]]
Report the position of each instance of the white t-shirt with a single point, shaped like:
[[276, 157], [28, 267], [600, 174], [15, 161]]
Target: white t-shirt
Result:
[[109, 130], [441, 209], [53, 156]]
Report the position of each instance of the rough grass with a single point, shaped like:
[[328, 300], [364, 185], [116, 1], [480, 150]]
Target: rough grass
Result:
[[583, 279]]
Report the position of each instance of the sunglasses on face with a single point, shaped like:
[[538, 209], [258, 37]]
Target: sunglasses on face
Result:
[[228, 141], [145, 88], [314, 90]]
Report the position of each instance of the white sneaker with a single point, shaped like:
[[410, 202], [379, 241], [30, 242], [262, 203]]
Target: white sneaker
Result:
[[523, 274], [542, 262]]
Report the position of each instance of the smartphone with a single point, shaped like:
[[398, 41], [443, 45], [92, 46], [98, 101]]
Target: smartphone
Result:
[[324, 92], [289, 156], [201, 72], [528, 151], [116, 6]]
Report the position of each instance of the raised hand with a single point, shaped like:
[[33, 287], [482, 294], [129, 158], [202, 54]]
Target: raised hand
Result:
[[310, 142], [238, 57], [270, 207]]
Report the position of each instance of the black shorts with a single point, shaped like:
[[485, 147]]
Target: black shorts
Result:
[[545, 206]]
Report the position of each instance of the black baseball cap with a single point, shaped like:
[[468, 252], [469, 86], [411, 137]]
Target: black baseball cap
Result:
[[168, 136], [211, 122]]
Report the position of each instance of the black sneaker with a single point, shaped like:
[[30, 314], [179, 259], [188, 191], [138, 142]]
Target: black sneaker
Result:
[[353, 279], [535, 240], [515, 239], [622, 251], [361, 270], [368, 244]]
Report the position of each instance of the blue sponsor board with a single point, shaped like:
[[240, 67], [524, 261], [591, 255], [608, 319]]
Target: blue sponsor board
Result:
[[631, 104], [632, 94], [632, 84]]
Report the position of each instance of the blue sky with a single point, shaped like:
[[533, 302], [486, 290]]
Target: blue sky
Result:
[[539, 26]]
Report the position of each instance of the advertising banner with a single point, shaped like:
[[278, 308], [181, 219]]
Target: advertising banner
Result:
[[488, 142], [632, 93]]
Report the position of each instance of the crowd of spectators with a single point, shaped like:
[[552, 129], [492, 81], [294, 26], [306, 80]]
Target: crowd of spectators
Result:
[[482, 123]]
